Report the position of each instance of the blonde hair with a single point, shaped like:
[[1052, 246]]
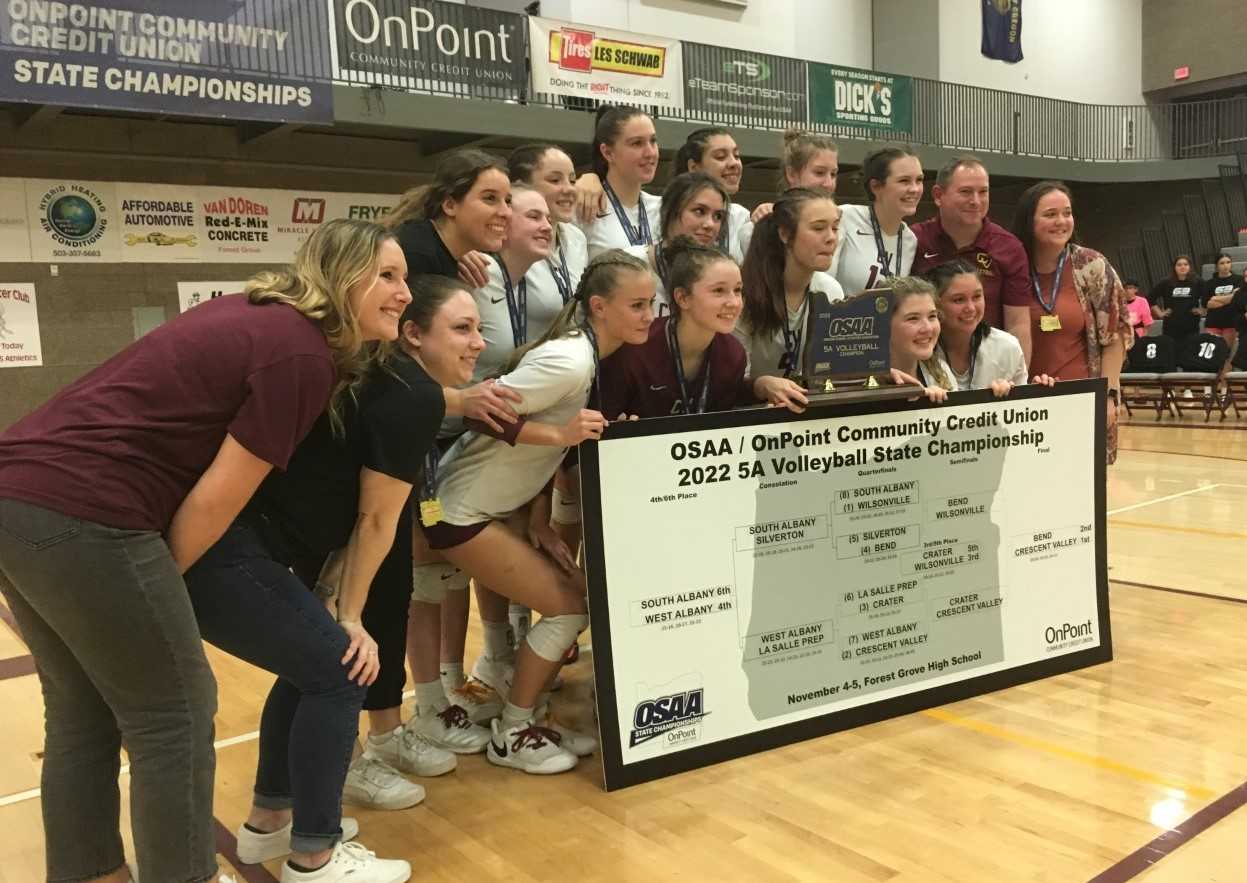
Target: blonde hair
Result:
[[341, 254], [903, 288], [800, 147]]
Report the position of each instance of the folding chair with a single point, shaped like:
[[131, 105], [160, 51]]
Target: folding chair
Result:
[[1141, 386], [1201, 358]]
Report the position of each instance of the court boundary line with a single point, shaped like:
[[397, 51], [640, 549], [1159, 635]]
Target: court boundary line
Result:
[[1199, 490], [1180, 454], [1146, 856], [1208, 595]]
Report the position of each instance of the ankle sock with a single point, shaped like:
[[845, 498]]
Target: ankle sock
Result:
[[431, 698], [452, 675], [514, 716]]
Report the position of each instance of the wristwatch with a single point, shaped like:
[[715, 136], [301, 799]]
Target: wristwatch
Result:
[[324, 591], [1115, 395]]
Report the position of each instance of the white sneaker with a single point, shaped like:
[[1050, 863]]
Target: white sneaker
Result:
[[530, 748], [578, 743], [374, 783], [254, 848], [223, 878], [480, 702], [351, 862], [411, 752], [495, 673], [451, 729]]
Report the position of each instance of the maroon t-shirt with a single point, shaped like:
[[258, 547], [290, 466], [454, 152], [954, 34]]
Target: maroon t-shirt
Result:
[[640, 379], [124, 445], [996, 253]]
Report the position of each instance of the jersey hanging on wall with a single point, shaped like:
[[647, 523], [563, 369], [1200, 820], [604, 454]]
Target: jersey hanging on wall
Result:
[[1002, 30]]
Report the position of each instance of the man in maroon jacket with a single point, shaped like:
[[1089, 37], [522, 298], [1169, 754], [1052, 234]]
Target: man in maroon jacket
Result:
[[962, 229]]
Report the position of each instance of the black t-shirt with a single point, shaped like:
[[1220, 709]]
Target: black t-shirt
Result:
[[315, 502], [1203, 352], [1220, 317], [1152, 355], [1181, 297], [425, 251]]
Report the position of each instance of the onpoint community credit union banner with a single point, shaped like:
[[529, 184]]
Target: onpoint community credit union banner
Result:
[[729, 83], [601, 63], [428, 45], [845, 96], [49, 220], [220, 58], [806, 574], [20, 345]]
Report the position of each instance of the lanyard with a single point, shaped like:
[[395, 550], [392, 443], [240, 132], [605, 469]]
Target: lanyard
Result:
[[562, 278], [638, 235], [517, 304], [1050, 305], [430, 473], [673, 345], [792, 339], [884, 269], [723, 232], [597, 363]]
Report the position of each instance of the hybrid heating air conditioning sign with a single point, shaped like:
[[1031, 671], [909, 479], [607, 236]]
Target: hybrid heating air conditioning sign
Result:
[[427, 45]]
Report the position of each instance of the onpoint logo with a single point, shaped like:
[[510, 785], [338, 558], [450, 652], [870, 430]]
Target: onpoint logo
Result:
[[1067, 631], [656, 717]]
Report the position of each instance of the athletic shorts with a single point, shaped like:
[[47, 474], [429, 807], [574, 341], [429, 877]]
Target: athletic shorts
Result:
[[445, 535]]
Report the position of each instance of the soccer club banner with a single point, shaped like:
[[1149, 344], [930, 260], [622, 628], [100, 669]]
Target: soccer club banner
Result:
[[219, 58], [843, 96], [605, 64], [721, 83], [427, 45], [1002, 30], [20, 345], [758, 577]]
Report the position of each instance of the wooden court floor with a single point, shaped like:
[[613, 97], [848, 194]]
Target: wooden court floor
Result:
[[1136, 769]]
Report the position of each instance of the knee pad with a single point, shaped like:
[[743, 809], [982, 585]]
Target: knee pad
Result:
[[550, 636], [431, 582], [564, 508]]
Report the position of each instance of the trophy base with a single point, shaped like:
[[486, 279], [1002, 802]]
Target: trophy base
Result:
[[852, 393]]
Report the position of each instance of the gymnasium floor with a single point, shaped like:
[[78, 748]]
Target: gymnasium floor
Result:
[[1132, 770]]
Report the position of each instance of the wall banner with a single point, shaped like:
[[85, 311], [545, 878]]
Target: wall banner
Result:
[[722, 82], [605, 64], [192, 294], [20, 345], [807, 574], [843, 96], [72, 221], [428, 45], [220, 58], [14, 235]]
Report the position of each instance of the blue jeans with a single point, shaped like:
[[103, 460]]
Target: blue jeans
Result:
[[106, 617], [251, 606]]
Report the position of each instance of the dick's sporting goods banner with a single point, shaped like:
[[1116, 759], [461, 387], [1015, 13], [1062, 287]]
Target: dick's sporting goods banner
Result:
[[727, 83], [254, 59], [428, 45], [74, 221], [845, 96], [605, 64], [758, 577]]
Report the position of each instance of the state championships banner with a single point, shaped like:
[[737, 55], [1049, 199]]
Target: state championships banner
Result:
[[605, 64], [758, 577]]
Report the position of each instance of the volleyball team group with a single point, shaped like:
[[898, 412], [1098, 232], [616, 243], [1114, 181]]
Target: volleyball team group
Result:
[[311, 475]]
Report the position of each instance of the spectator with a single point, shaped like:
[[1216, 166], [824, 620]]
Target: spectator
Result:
[[1139, 311]]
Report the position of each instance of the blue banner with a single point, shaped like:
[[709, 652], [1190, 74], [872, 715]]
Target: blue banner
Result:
[[238, 59], [1002, 30]]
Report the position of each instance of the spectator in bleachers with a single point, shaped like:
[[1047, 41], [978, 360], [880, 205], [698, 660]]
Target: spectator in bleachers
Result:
[[1218, 299], [1176, 300], [1078, 316], [1139, 311], [961, 229]]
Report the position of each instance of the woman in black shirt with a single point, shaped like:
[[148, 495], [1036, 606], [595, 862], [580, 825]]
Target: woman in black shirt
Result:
[[1219, 301], [1177, 300]]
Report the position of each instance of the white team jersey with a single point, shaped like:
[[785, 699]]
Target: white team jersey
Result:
[[999, 358], [605, 232], [544, 304], [738, 224], [482, 478], [766, 353], [856, 264], [574, 251]]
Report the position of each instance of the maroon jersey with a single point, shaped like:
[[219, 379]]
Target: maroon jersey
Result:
[[642, 380], [996, 253]]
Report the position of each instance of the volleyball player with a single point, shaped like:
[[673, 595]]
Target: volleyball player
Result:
[[915, 335], [693, 205], [625, 159], [485, 482], [549, 170], [875, 242], [784, 272], [807, 159]]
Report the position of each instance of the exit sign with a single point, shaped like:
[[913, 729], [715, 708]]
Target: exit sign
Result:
[[1181, 73]]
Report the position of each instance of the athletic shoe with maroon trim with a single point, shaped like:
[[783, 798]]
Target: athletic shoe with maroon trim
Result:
[[451, 729], [496, 674], [530, 748]]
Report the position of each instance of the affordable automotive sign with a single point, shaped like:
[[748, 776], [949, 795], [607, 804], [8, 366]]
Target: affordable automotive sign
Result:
[[746, 84], [846, 96], [202, 58], [606, 64]]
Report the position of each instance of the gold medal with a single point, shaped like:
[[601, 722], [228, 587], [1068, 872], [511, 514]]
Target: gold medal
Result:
[[430, 512], [1050, 322]]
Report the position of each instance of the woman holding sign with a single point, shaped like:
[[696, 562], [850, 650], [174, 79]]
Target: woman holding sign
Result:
[[625, 159], [784, 272], [1079, 324], [915, 335]]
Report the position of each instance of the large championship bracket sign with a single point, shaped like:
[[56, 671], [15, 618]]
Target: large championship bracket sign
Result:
[[758, 577]]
